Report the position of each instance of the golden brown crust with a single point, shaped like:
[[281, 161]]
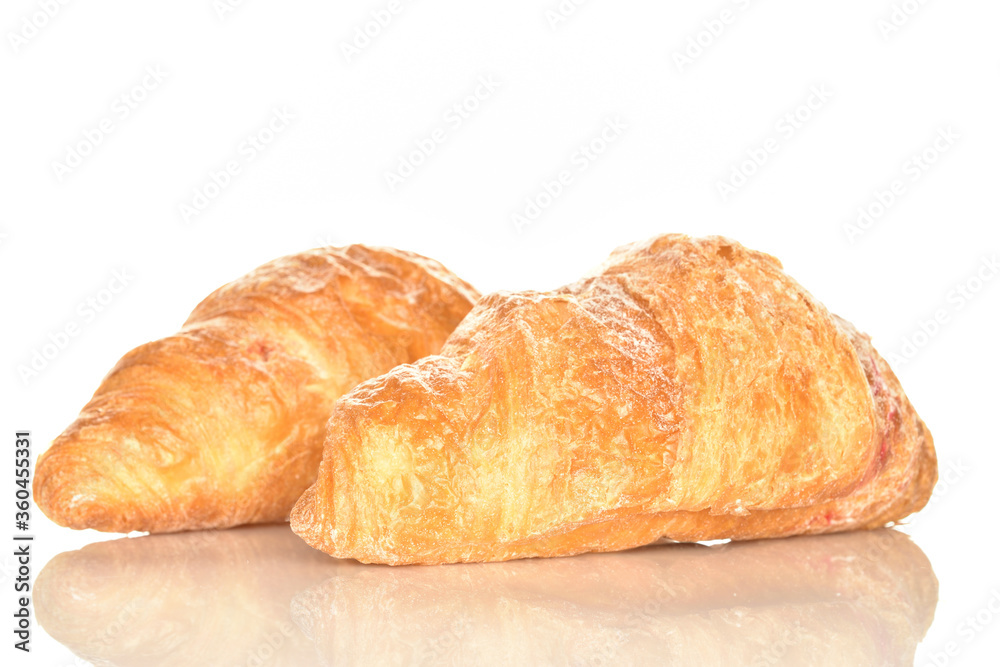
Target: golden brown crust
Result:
[[688, 388], [222, 423]]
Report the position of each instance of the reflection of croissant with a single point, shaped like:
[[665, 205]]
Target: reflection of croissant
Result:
[[222, 423], [854, 599], [198, 598], [688, 389]]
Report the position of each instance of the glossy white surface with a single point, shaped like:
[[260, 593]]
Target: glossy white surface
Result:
[[259, 593]]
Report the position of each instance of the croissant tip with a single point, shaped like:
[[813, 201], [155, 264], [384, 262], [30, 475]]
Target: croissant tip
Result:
[[74, 495], [301, 517]]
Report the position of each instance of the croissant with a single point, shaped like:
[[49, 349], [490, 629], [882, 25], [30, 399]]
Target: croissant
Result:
[[687, 389], [222, 423]]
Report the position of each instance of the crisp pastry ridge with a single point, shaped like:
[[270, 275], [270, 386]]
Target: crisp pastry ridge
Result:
[[686, 389], [222, 423]]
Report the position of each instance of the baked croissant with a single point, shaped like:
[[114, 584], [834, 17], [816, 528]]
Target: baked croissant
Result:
[[222, 423], [687, 389]]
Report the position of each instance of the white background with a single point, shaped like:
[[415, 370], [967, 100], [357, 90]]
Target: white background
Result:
[[322, 180]]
